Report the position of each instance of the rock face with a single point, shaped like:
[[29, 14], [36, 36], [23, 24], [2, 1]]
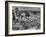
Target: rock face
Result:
[[25, 19]]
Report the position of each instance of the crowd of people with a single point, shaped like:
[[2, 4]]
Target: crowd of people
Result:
[[23, 19]]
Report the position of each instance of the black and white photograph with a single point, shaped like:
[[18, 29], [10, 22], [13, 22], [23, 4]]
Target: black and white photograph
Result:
[[24, 18]]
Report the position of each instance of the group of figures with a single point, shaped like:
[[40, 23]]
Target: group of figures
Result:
[[25, 19]]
